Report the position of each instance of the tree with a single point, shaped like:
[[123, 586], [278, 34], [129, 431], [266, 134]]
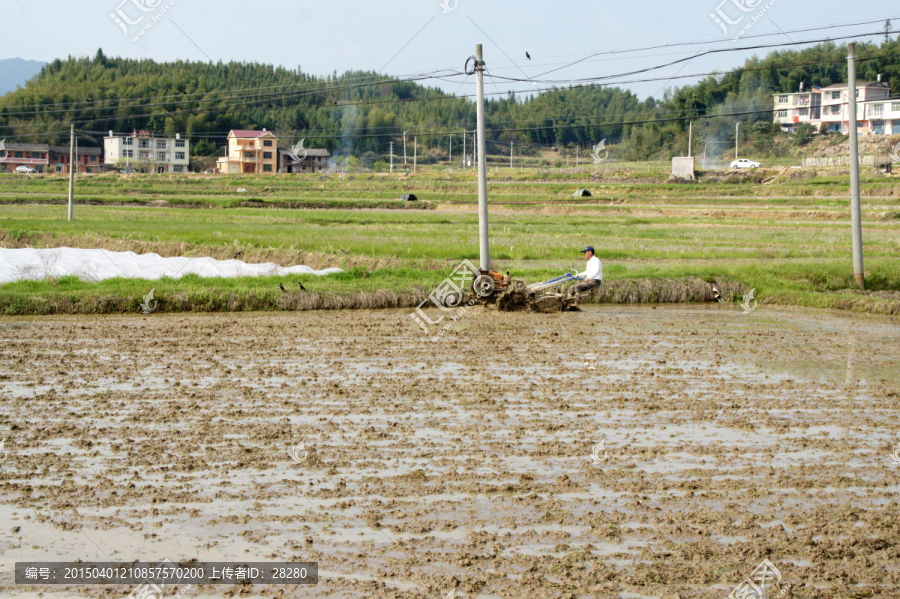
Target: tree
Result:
[[351, 163], [368, 110], [367, 160], [804, 134]]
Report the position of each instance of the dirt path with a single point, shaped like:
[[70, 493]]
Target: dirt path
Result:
[[464, 462]]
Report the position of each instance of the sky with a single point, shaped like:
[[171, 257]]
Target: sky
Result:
[[408, 37]]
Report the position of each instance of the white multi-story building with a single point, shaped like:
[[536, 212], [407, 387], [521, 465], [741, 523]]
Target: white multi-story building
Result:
[[883, 118], [870, 107], [144, 149], [794, 109], [826, 109]]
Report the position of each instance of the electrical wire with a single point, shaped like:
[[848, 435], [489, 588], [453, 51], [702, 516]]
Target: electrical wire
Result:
[[426, 99], [281, 96], [431, 74], [680, 60]]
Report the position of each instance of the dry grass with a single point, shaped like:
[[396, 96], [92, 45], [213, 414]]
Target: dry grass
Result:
[[637, 291], [664, 291]]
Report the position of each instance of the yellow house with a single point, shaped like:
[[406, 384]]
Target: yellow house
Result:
[[249, 152]]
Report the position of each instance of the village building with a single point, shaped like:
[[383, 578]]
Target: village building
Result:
[[310, 160], [827, 109], [870, 100], [794, 109], [249, 152], [14, 155], [87, 159], [143, 150]]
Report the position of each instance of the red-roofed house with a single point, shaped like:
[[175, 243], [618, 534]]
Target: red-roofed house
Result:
[[249, 152]]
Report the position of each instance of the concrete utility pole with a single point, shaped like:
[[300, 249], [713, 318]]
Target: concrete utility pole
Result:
[[464, 148], [71, 170], [510, 153], [690, 137], [482, 163], [736, 125], [404, 148], [855, 212], [451, 150], [392, 155], [415, 151]]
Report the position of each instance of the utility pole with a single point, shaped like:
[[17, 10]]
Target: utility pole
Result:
[[736, 125], [510, 153], [576, 157], [404, 149], [464, 149], [415, 151], [392, 155], [71, 170], [451, 150], [690, 137], [482, 163], [855, 212]]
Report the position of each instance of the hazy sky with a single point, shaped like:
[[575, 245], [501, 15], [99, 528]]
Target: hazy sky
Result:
[[322, 37]]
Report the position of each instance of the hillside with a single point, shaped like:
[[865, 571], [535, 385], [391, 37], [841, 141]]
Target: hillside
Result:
[[352, 113], [360, 112]]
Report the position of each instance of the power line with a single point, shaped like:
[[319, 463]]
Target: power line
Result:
[[720, 41], [680, 60], [432, 74], [438, 98], [358, 79], [282, 95]]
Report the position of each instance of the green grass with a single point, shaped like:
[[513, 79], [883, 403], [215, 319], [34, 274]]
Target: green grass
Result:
[[785, 283], [435, 185], [791, 243]]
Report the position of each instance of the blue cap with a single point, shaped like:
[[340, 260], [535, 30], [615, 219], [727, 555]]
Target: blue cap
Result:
[[589, 248]]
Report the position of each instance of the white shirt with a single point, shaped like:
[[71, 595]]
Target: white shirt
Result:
[[594, 270]]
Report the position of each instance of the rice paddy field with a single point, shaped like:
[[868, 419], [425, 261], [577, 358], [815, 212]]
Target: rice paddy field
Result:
[[784, 232], [659, 444]]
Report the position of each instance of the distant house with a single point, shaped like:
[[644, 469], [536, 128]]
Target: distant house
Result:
[[16, 155], [249, 152], [870, 114], [827, 109], [314, 160], [87, 159], [794, 109], [143, 149]]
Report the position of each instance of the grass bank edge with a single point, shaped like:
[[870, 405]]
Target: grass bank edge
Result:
[[360, 288]]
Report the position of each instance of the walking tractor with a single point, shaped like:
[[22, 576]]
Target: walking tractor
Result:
[[500, 291]]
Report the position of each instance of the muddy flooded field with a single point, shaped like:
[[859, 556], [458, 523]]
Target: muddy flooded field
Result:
[[629, 452]]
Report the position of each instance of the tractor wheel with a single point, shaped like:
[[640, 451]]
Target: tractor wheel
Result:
[[519, 285], [483, 286]]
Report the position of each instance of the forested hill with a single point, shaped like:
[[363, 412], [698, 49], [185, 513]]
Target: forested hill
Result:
[[362, 111], [354, 112]]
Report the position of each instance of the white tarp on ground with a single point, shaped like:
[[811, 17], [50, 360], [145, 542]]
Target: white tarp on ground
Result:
[[96, 265]]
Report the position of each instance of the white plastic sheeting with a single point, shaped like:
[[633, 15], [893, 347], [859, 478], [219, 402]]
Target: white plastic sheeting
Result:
[[96, 265]]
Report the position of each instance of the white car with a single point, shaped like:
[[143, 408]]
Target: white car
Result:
[[744, 163], [25, 169]]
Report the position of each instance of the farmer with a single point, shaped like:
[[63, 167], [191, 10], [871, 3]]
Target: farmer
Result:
[[592, 275]]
